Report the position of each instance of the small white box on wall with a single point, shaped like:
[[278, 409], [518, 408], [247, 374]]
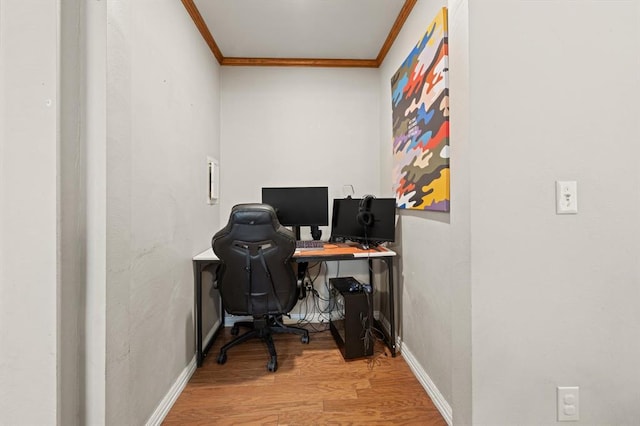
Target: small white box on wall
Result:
[[214, 180]]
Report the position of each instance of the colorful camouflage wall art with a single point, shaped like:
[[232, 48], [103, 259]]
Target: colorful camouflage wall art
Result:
[[420, 112]]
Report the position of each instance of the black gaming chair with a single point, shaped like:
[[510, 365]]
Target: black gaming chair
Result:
[[256, 276]]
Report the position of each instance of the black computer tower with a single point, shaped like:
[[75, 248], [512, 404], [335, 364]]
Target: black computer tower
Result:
[[352, 332]]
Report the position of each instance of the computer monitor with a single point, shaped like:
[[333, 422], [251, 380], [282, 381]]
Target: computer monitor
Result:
[[350, 216], [299, 206]]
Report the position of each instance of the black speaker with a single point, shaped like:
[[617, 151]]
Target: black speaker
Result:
[[365, 217]]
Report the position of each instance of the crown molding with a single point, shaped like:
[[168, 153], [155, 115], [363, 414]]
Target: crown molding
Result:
[[204, 30], [395, 30], [299, 62]]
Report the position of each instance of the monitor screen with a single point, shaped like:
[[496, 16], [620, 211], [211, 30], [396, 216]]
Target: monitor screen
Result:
[[345, 223], [299, 206]]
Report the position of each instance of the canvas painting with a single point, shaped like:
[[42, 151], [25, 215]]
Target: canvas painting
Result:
[[420, 112]]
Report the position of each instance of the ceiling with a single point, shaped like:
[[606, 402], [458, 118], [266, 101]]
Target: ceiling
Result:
[[336, 33]]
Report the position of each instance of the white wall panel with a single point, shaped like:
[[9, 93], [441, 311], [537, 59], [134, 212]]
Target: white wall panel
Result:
[[29, 129], [554, 95]]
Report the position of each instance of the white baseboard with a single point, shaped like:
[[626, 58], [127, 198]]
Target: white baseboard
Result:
[[440, 402], [170, 398]]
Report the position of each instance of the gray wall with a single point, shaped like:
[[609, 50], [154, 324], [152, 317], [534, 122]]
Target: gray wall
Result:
[[104, 203], [298, 127], [427, 240], [162, 123], [554, 95], [29, 285], [540, 300], [540, 91], [72, 212]]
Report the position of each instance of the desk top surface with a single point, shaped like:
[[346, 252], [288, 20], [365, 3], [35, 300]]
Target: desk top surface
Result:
[[343, 250]]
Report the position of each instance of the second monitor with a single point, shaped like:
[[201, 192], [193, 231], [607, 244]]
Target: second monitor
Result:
[[368, 221]]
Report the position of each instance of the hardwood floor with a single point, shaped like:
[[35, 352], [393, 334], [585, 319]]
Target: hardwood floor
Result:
[[313, 385]]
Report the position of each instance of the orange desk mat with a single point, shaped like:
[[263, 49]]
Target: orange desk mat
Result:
[[336, 249]]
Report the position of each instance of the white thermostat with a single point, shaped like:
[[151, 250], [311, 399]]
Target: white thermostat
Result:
[[214, 180]]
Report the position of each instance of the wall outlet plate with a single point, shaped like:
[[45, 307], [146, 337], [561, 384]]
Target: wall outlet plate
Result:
[[568, 403]]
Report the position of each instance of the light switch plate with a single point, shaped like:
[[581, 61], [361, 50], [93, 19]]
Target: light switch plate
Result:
[[566, 197]]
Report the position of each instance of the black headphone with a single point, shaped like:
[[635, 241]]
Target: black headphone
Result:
[[365, 217]]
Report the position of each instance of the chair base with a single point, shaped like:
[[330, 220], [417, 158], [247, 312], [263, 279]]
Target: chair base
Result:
[[262, 328]]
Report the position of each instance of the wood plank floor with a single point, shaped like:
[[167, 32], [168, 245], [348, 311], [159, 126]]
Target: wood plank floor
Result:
[[313, 385]]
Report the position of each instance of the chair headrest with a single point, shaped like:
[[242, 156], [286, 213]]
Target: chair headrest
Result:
[[252, 214]]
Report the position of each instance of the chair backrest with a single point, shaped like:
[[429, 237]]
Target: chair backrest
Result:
[[256, 277]]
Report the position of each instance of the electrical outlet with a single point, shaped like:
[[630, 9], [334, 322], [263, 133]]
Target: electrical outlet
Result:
[[566, 197], [568, 403]]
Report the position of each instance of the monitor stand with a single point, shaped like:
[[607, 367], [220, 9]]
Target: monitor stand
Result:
[[316, 233]]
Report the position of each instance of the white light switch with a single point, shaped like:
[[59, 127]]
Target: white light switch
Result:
[[566, 197]]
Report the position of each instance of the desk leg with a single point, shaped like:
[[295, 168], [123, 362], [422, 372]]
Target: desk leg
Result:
[[197, 272], [207, 345], [302, 272], [202, 348], [391, 336], [392, 304]]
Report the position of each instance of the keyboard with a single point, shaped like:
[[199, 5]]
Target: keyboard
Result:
[[309, 245]]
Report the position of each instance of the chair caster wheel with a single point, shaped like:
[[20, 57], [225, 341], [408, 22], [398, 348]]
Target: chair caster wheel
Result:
[[272, 365], [305, 339], [235, 330], [222, 358]]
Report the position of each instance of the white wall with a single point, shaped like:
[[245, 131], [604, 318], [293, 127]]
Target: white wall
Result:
[[29, 128], [461, 377], [297, 127], [428, 241], [554, 95], [162, 123]]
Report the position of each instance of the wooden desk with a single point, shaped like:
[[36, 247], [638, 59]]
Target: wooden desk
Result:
[[208, 261]]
